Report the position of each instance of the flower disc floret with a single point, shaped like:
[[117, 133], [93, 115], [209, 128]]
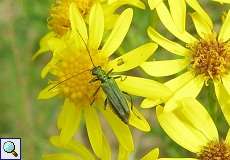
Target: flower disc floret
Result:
[[215, 151], [210, 57]]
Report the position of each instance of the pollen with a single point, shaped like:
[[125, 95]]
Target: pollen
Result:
[[58, 19], [215, 151], [74, 75], [210, 57]]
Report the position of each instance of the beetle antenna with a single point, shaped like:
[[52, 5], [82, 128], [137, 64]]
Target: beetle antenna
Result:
[[87, 48], [68, 79]]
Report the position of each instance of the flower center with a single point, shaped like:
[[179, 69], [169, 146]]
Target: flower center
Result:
[[74, 74], [59, 14], [210, 57], [215, 151]]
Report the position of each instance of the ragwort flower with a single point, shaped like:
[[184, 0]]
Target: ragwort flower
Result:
[[222, 1], [191, 126], [59, 22], [203, 59], [71, 66]]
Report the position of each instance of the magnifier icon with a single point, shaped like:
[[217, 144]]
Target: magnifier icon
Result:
[[9, 147]]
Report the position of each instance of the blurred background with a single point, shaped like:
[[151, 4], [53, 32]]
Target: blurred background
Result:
[[22, 24]]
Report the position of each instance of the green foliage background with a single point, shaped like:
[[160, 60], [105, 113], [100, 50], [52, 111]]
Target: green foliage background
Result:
[[22, 24]]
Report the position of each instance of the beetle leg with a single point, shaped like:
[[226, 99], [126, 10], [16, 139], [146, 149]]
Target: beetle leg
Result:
[[94, 94], [105, 103], [92, 101], [122, 79], [131, 100], [93, 80], [110, 71]]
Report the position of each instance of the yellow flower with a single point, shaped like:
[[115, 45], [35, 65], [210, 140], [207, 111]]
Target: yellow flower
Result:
[[71, 66], [202, 59], [191, 126], [59, 22]]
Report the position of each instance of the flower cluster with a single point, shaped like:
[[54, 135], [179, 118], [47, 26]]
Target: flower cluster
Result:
[[95, 81]]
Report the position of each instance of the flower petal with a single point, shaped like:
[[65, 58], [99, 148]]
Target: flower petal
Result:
[[73, 146], [77, 23], [202, 121], [168, 22], [222, 1], [118, 33], [196, 6], [202, 28], [94, 130], [120, 129], [227, 139], [181, 132], [48, 92], [44, 47], [152, 155], [138, 120], [223, 98], [224, 34], [226, 82], [96, 26], [123, 154], [190, 89], [68, 121], [167, 44], [146, 88], [149, 103], [133, 58], [60, 156], [164, 67], [178, 12], [106, 149]]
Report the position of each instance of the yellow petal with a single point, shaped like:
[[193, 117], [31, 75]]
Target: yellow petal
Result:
[[123, 153], [154, 3], [196, 6], [74, 146], [96, 26], [152, 155], [112, 7], [138, 120], [223, 99], [179, 81], [227, 139], [202, 28], [106, 149], [168, 22], [178, 12], [44, 47], [178, 130], [133, 58], [222, 1], [110, 20], [145, 88], [202, 121], [120, 129], [190, 89], [165, 67], [149, 103], [77, 23], [68, 121], [226, 82], [118, 33], [94, 130], [60, 156], [48, 92], [167, 44], [224, 34]]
